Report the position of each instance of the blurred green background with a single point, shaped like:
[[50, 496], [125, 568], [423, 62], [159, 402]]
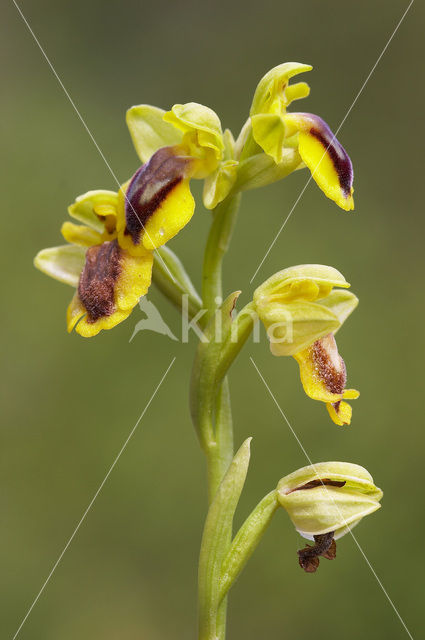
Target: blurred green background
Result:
[[69, 404]]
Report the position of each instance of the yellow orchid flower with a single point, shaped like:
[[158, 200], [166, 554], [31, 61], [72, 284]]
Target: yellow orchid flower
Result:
[[301, 311], [275, 131], [109, 281]]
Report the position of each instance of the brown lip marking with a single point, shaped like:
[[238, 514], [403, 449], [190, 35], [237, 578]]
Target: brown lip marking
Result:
[[96, 288], [324, 546], [319, 483], [333, 378], [150, 186]]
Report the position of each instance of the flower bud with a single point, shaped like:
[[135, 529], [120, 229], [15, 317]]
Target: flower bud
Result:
[[328, 497]]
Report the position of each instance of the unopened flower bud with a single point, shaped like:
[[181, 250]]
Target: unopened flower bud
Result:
[[328, 497]]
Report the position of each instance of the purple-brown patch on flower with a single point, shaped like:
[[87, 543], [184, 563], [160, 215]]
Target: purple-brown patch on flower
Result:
[[98, 278], [329, 364], [149, 188]]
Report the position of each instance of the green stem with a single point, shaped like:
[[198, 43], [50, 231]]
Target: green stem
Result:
[[217, 245], [220, 451], [218, 462], [215, 544]]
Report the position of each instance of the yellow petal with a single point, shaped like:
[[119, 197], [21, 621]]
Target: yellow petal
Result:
[[91, 207], [80, 235]]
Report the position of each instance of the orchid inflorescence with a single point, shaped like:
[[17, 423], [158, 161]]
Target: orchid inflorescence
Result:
[[116, 248]]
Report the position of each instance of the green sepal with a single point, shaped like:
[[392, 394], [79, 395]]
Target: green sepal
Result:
[[149, 132], [295, 326], [64, 263], [342, 303]]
